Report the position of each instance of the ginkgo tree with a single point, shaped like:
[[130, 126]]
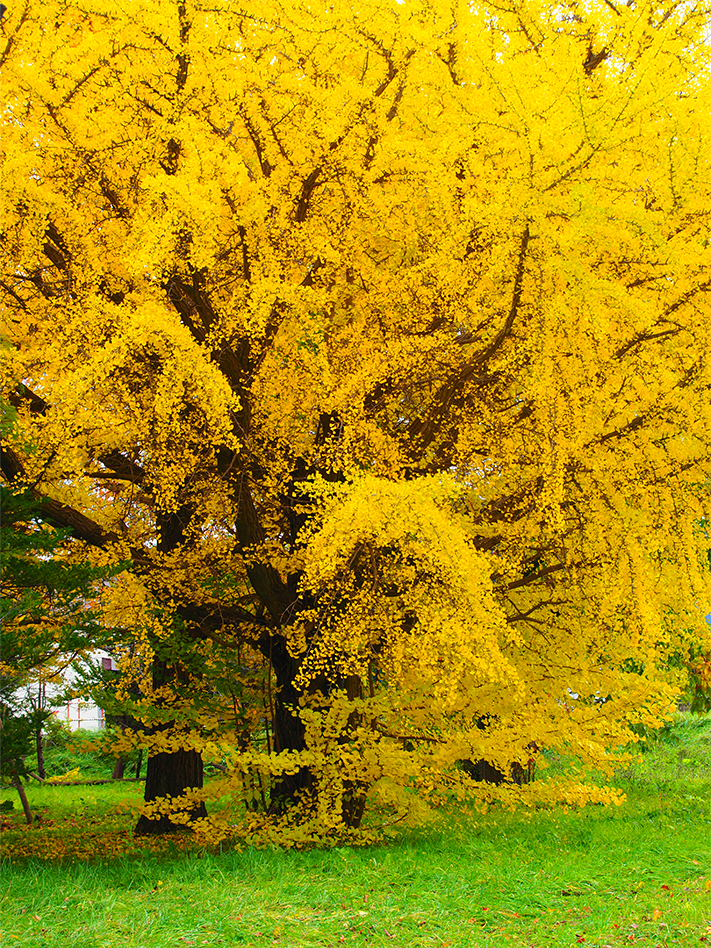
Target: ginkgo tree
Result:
[[375, 337]]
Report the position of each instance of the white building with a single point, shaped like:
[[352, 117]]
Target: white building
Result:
[[79, 712]]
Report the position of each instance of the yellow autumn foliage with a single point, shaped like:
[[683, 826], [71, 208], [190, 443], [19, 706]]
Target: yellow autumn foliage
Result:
[[377, 337]]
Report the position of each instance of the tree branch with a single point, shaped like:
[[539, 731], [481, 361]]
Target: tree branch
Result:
[[515, 302], [534, 577], [56, 513]]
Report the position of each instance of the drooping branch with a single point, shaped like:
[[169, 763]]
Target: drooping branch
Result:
[[214, 617], [505, 330], [451, 396], [119, 464], [535, 577], [56, 513]]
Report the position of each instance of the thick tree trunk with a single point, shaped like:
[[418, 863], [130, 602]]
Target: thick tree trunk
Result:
[[119, 768], [289, 735], [354, 791], [483, 772], [170, 774], [288, 729], [280, 601], [520, 774]]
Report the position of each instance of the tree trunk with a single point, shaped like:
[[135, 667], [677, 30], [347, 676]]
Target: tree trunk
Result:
[[119, 768], [41, 772], [170, 774], [279, 601], [287, 727], [354, 791], [483, 772], [289, 735], [17, 784]]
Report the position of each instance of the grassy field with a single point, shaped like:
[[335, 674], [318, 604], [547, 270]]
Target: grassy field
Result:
[[639, 874]]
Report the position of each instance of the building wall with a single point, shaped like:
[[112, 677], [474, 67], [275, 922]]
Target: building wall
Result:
[[81, 713], [78, 712]]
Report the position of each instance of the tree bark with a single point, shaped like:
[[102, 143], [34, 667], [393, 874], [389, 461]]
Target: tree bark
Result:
[[170, 774], [289, 735], [287, 727], [355, 792], [17, 784], [280, 602], [483, 772]]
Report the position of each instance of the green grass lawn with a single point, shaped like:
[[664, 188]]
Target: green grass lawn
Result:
[[639, 874]]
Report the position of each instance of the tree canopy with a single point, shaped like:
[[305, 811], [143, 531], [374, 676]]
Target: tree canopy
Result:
[[376, 337]]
